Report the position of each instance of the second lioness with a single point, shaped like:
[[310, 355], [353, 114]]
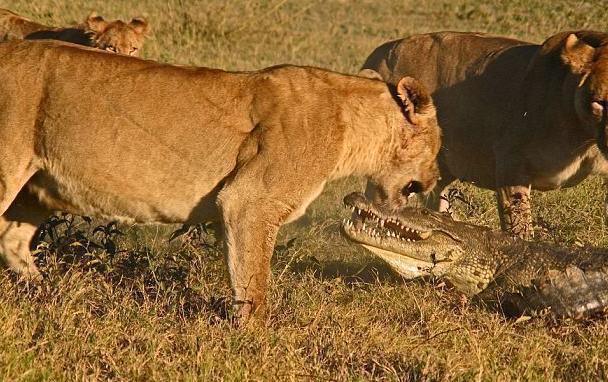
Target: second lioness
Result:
[[514, 115], [109, 135], [114, 36]]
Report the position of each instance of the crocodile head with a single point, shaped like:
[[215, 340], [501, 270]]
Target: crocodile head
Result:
[[416, 242], [516, 276]]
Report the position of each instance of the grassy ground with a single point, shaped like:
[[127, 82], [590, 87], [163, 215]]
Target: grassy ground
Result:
[[153, 311]]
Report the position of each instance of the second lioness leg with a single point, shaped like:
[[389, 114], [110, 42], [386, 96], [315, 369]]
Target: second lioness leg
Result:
[[515, 211]]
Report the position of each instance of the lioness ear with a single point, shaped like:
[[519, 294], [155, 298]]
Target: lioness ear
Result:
[[416, 100], [95, 23], [371, 74], [140, 25], [576, 53]]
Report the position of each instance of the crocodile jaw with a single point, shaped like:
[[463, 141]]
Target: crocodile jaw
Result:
[[412, 250], [407, 267]]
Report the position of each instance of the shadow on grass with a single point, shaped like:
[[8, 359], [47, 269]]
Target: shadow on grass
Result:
[[372, 271], [69, 246]]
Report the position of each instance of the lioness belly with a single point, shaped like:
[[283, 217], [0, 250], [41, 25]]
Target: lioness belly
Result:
[[570, 173], [171, 204]]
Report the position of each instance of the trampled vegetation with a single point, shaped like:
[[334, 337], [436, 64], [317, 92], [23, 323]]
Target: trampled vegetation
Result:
[[130, 305]]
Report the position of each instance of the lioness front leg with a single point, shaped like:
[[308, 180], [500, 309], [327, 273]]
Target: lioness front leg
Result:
[[253, 207], [251, 226], [515, 211]]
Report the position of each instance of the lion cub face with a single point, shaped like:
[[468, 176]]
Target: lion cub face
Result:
[[117, 36], [591, 95]]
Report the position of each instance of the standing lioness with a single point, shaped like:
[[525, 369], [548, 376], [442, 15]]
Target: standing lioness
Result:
[[100, 134], [514, 115]]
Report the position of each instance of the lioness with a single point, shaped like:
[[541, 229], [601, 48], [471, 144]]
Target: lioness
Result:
[[114, 36], [514, 115], [151, 142]]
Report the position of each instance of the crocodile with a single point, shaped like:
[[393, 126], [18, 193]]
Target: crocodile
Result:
[[518, 277]]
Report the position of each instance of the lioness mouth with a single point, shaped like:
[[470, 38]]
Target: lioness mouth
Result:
[[368, 223]]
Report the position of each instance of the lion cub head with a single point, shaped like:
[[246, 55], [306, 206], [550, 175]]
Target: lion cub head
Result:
[[586, 55], [117, 36]]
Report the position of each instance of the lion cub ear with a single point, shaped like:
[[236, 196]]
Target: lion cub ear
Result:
[[140, 25], [371, 74], [416, 100], [576, 53], [95, 23]]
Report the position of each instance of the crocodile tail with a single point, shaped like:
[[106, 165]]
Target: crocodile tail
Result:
[[575, 292]]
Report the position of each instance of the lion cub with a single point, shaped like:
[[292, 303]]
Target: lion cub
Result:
[[114, 36], [249, 149]]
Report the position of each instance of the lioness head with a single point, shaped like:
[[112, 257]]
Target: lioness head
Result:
[[413, 168], [117, 36], [587, 59]]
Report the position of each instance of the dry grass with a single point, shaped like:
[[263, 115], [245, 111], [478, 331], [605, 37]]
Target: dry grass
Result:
[[154, 311]]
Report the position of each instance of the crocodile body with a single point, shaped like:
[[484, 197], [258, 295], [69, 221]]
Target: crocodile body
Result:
[[520, 277]]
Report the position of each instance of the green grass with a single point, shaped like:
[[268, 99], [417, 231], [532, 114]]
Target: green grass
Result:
[[154, 310]]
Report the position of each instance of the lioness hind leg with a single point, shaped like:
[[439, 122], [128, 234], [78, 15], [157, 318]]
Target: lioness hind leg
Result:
[[17, 228], [15, 241]]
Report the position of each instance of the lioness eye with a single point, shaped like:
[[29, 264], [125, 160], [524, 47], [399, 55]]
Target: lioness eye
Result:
[[111, 48], [133, 50]]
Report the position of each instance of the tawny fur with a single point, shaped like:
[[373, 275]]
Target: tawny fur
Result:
[[108, 135], [514, 115], [114, 36]]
